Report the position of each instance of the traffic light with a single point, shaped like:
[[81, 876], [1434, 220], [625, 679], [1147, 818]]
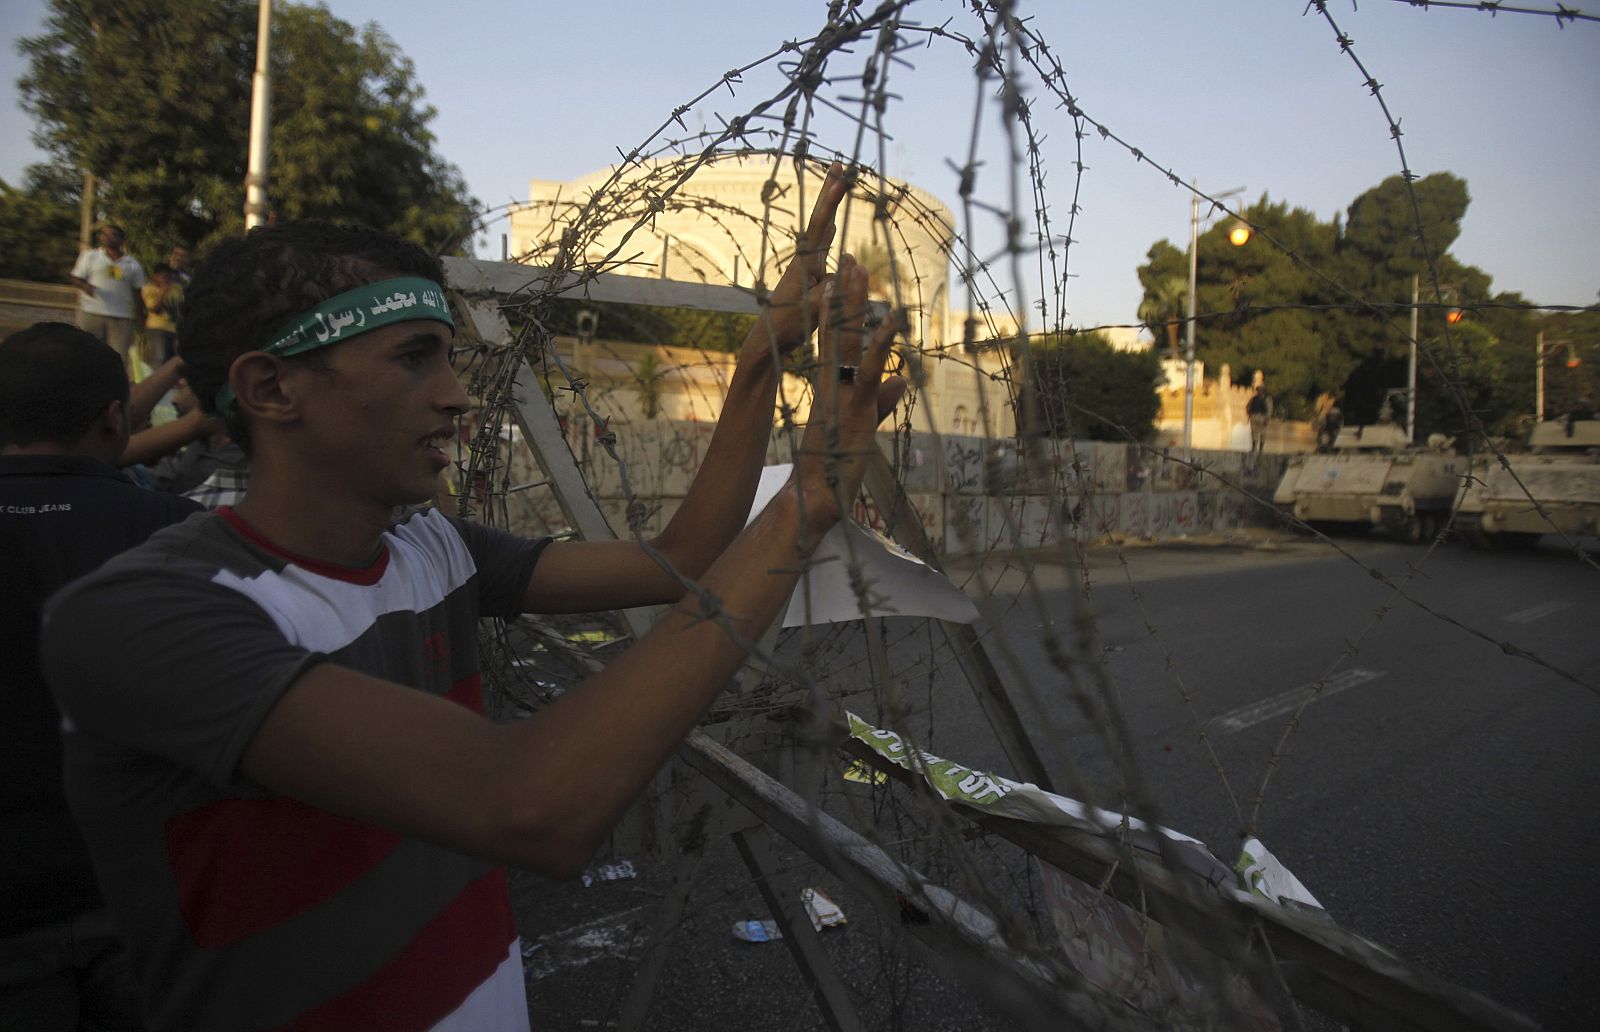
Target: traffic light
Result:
[[1239, 235], [1453, 316]]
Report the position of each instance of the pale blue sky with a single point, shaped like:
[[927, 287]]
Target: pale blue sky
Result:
[[1251, 93]]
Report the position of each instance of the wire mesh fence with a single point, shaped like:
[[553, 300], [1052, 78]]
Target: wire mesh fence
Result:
[[596, 391]]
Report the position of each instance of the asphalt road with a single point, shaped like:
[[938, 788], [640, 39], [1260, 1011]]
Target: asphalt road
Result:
[[1438, 796]]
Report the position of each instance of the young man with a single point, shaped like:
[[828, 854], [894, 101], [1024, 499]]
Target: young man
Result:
[[178, 261], [109, 281], [64, 510], [278, 754]]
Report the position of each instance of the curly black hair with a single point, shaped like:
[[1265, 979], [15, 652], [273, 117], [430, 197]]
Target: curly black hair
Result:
[[248, 287]]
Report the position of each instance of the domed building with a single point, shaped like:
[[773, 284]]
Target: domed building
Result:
[[733, 221]]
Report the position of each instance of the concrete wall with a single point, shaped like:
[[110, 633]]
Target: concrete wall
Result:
[[23, 303], [972, 495]]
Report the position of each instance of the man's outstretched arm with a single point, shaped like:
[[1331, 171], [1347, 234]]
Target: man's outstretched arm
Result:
[[585, 576], [544, 792]]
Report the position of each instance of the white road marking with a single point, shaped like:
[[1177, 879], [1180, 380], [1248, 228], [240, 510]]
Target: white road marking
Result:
[[1289, 701], [1537, 612]]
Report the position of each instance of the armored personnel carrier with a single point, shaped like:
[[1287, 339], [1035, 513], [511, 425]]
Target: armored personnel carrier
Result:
[[1374, 477], [1553, 487]]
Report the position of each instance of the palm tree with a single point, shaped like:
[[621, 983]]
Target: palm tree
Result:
[[1164, 306], [648, 373]]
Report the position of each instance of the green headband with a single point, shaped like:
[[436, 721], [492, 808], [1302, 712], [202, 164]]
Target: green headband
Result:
[[351, 314]]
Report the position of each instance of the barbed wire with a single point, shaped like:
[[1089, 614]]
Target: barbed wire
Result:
[[654, 178], [1449, 371], [1561, 13]]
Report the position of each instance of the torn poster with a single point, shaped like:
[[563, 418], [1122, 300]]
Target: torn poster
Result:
[[895, 582]]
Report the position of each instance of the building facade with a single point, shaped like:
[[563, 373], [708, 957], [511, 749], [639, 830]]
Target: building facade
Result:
[[734, 221]]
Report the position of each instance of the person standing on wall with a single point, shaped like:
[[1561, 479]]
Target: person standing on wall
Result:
[[1258, 408], [109, 281]]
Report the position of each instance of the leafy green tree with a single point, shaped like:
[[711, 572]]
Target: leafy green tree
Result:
[[1245, 297], [1484, 378], [1571, 362], [1378, 254], [1286, 302], [350, 135], [1084, 388], [39, 223], [1166, 295], [649, 374], [1381, 227], [1261, 289], [153, 97]]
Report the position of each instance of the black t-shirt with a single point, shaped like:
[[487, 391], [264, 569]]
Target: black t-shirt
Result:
[[61, 516]]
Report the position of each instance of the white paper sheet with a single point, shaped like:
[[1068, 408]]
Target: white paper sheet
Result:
[[898, 583]]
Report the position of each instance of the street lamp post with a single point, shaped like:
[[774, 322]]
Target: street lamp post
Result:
[[1538, 378], [255, 180], [1188, 348], [1541, 352], [1411, 364], [1452, 316]]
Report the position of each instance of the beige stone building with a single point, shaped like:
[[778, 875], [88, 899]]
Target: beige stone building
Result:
[[734, 221]]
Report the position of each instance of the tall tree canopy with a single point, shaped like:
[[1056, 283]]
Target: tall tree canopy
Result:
[[1084, 388], [1571, 363], [153, 97], [1166, 293], [39, 224], [1294, 303]]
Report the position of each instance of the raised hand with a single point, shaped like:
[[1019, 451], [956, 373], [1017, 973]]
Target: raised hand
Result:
[[795, 302], [850, 398]]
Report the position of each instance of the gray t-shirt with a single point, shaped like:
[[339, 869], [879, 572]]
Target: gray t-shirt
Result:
[[245, 910]]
